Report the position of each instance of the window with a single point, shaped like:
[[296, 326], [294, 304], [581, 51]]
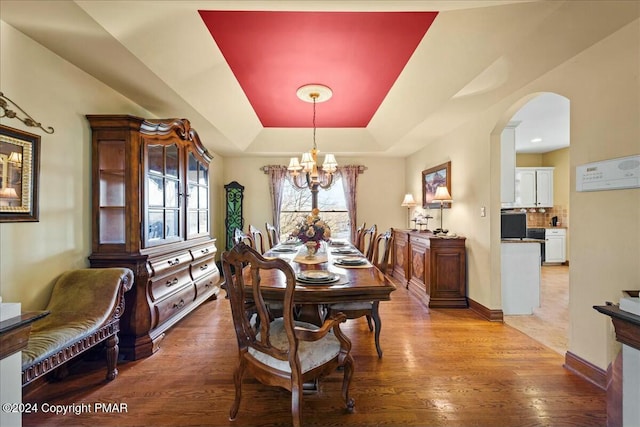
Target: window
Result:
[[296, 204]]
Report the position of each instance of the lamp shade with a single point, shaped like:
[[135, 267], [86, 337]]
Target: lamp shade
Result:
[[442, 194], [15, 157], [330, 165], [294, 164], [307, 162], [8, 193], [408, 200]]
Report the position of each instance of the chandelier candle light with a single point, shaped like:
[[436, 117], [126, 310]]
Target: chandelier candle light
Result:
[[309, 162]]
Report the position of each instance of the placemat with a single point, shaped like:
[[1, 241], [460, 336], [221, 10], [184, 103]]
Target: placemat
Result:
[[318, 259]]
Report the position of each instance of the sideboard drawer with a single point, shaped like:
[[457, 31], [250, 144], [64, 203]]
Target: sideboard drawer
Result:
[[164, 285], [208, 285], [163, 265], [202, 251], [203, 267], [167, 308]]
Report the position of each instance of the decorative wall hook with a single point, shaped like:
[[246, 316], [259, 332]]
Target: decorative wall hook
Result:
[[28, 120]]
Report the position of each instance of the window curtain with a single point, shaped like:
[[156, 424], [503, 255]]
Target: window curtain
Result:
[[349, 176], [277, 175]]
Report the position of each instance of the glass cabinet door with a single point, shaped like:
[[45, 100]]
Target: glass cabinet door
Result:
[[198, 197], [111, 216], [163, 192]]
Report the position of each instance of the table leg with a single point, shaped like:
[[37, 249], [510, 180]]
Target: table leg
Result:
[[311, 313]]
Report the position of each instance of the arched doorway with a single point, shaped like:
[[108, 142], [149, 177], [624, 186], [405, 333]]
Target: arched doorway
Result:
[[540, 132]]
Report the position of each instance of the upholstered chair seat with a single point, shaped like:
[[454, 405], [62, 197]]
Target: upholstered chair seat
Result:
[[311, 354]]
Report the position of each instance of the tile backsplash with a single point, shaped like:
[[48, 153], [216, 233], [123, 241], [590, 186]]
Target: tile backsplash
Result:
[[536, 218]]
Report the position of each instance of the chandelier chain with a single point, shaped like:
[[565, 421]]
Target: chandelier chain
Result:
[[314, 122]]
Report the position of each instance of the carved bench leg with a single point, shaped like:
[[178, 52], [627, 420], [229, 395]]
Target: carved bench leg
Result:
[[112, 356]]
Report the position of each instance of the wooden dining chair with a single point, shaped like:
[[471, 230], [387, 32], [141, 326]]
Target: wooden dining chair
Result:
[[280, 352], [272, 235], [368, 241], [359, 233], [258, 238], [381, 258], [240, 236], [370, 309]]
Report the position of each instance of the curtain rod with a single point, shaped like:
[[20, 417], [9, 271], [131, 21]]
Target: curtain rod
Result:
[[265, 169]]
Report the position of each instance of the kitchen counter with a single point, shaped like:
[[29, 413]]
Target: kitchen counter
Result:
[[525, 240], [520, 275]]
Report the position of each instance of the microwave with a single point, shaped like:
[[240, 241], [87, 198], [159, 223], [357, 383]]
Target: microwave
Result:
[[513, 225]]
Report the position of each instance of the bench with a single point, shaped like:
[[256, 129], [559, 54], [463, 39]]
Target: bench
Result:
[[84, 310]]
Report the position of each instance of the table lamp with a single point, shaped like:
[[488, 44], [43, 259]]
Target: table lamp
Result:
[[442, 195], [409, 202]]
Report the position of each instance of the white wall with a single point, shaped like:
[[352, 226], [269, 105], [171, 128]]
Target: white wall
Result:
[[56, 94], [604, 88]]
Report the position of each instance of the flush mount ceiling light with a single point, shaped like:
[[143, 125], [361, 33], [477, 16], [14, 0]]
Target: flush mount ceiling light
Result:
[[313, 93], [536, 140]]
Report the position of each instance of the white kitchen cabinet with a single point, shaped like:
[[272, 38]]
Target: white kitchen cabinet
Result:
[[555, 248], [534, 187], [544, 187]]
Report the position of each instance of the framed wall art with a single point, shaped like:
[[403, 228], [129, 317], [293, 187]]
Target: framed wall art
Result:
[[432, 179], [19, 175]]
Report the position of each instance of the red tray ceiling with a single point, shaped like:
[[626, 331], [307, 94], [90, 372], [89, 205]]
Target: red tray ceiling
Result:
[[359, 55]]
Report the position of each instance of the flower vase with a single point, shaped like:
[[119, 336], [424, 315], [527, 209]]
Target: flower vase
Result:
[[311, 250]]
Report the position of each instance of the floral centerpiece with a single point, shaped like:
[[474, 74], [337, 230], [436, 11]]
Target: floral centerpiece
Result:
[[312, 231]]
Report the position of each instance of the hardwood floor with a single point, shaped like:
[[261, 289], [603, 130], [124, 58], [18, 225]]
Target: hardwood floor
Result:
[[444, 367], [549, 323]]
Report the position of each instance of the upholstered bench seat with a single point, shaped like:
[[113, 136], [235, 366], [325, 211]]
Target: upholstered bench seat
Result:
[[85, 309]]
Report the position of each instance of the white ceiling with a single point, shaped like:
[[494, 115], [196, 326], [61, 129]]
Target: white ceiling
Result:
[[160, 55], [542, 124]]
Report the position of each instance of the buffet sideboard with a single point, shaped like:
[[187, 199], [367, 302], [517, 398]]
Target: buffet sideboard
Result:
[[432, 267]]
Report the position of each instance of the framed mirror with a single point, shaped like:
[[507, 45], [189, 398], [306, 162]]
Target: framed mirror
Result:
[[19, 175]]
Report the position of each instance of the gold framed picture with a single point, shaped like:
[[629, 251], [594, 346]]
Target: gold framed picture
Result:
[[19, 175], [433, 178]]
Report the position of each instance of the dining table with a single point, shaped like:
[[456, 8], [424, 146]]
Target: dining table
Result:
[[338, 272]]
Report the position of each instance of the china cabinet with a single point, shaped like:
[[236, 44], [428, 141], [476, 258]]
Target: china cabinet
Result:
[[150, 213]]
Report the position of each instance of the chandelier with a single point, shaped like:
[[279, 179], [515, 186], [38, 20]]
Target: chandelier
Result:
[[309, 162]]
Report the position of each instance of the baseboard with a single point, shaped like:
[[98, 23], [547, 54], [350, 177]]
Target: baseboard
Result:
[[586, 370], [489, 314]]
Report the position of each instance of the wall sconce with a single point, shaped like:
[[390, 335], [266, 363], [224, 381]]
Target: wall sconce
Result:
[[442, 195]]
